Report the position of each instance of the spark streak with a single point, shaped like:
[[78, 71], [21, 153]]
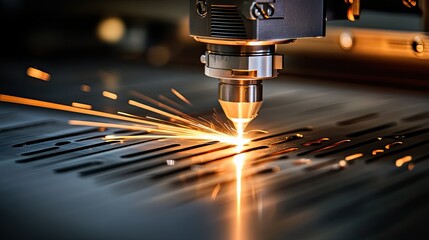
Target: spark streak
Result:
[[181, 128], [110, 95], [181, 97], [38, 74]]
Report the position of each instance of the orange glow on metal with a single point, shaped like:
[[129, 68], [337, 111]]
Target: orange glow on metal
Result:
[[377, 151], [390, 145], [110, 95], [81, 105], [38, 74], [317, 141], [334, 145], [85, 88], [181, 97], [239, 163], [353, 156], [401, 161]]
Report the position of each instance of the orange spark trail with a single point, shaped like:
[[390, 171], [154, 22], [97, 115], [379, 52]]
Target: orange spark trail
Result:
[[181, 97], [56, 106]]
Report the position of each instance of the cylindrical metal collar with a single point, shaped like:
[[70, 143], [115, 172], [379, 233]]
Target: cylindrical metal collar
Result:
[[240, 91]]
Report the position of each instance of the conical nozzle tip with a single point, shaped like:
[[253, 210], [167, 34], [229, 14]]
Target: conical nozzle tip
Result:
[[240, 113]]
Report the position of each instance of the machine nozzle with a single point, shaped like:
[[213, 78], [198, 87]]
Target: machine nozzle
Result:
[[241, 69], [240, 100]]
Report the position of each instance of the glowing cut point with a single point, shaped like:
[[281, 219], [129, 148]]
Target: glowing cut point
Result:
[[240, 113]]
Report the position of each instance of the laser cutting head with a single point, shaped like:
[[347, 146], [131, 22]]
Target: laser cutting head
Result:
[[241, 38], [240, 70]]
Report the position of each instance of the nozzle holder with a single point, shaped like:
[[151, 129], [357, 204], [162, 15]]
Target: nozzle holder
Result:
[[234, 62], [240, 90]]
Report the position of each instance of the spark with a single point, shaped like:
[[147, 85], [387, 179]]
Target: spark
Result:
[[176, 127], [169, 101], [229, 140], [353, 156], [333, 145], [155, 102], [38, 74], [377, 151], [315, 142], [110, 95], [81, 105], [342, 163], [216, 191], [191, 122], [390, 145], [181, 97]]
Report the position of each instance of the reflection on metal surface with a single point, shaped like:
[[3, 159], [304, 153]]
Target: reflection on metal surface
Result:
[[333, 145], [353, 156], [85, 88], [377, 151], [346, 40], [81, 105], [390, 145], [315, 142], [239, 163], [401, 161]]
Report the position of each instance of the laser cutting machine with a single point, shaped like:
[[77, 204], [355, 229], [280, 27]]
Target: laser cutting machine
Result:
[[241, 38], [339, 149]]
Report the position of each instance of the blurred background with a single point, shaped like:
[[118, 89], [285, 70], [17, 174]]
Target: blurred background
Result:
[[384, 47]]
